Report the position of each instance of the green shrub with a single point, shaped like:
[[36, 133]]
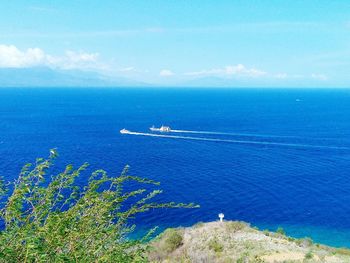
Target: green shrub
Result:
[[235, 225], [309, 255], [304, 242], [343, 251], [280, 231], [266, 232], [173, 240], [215, 245], [243, 258], [48, 218], [258, 259]]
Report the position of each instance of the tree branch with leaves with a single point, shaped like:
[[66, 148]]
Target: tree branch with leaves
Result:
[[53, 219]]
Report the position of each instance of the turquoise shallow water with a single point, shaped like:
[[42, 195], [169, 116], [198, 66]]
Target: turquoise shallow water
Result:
[[275, 157], [319, 234]]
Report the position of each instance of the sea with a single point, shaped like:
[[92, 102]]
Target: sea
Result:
[[270, 157]]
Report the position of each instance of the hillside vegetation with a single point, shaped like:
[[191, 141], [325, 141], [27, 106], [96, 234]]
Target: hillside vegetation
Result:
[[234, 241], [48, 217]]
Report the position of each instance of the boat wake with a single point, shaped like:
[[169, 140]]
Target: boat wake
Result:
[[234, 134], [238, 141]]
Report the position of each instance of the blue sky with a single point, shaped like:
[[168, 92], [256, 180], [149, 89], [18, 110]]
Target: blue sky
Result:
[[282, 43]]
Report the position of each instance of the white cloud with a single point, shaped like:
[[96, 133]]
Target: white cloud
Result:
[[237, 70], [166, 73], [319, 76], [131, 71], [13, 57], [81, 57], [75, 60], [281, 76], [127, 69]]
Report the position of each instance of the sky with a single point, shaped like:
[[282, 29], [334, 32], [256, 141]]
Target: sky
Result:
[[257, 43]]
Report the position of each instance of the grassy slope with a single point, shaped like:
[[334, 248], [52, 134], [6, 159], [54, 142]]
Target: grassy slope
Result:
[[233, 241]]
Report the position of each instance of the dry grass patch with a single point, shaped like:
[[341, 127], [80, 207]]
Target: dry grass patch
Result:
[[234, 241]]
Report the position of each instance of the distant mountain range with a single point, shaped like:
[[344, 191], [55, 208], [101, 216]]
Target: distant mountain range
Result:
[[216, 82], [251, 82], [47, 77]]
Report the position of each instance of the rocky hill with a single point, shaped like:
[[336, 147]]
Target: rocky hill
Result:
[[233, 241]]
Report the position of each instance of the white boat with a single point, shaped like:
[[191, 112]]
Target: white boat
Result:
[[124, 131], [161, 129]]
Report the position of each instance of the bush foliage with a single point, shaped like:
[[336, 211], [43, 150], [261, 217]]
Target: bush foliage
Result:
[[49, 218], [173, 240], [215, 245]]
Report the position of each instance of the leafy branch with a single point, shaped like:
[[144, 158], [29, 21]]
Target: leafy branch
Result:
[[60, 221]]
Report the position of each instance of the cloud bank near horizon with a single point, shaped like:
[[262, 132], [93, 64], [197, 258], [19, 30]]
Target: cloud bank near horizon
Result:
[[13, 57], [236, 70]]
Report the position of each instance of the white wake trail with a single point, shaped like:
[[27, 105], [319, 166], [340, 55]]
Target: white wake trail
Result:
[[239, 141], [235, 134]]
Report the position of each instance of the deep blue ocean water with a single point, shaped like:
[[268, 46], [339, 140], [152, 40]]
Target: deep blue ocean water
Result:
[[300, 182]]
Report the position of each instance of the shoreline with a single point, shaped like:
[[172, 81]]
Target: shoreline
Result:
[[334, 237], [238, 241]]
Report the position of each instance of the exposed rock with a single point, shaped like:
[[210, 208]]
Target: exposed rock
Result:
[[232, 241]]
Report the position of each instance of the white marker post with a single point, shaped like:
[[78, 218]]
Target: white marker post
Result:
[[221, 216]]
